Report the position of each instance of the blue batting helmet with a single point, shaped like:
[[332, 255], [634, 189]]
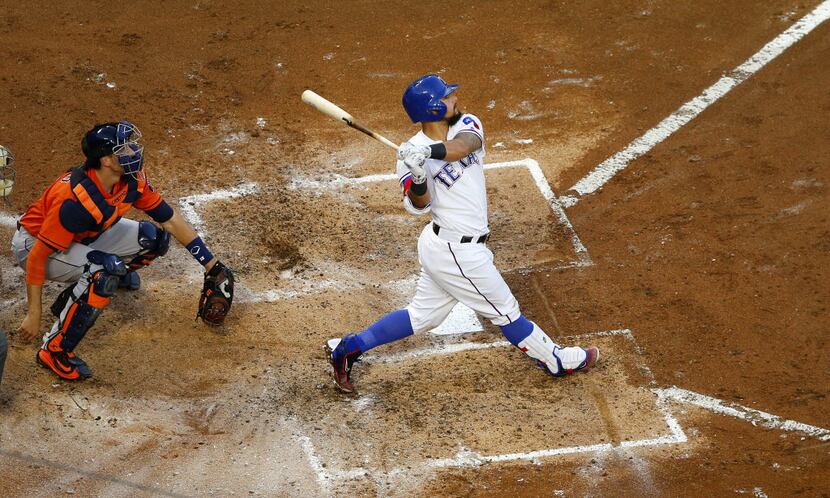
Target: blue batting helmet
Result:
[[121, 139], [422, 98]]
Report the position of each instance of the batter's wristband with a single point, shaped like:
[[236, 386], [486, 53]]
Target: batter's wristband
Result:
[[199, 251], [438, 151], [418, 188]]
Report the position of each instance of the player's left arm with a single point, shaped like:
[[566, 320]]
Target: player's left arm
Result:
[[468, 139], [181, 230], [217, 291], [464, 144], [152, 203]]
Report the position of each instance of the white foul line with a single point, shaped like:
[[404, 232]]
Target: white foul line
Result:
[[688, 111], [756, 417]]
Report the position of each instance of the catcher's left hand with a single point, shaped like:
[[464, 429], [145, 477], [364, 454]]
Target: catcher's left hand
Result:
[[217, 295]]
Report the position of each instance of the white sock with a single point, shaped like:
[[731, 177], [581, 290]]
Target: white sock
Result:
[[541, 347]]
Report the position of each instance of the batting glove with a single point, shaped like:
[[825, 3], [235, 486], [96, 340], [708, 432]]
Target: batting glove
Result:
[[415, 164], [407, 148]]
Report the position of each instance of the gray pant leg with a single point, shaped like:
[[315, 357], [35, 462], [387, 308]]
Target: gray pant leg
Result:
[[120, 239], [61, 266]]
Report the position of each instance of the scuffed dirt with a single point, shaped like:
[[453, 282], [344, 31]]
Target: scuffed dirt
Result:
[[713, 249]]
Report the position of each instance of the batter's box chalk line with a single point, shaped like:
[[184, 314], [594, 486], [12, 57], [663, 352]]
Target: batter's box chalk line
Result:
[[664, 397], [467, 458], [190, 206]]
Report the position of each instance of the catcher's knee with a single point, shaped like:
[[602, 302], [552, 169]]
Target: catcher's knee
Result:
[[104, 281], [154, 242], [153, 238]]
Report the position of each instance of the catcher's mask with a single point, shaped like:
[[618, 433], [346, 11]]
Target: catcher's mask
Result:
[[121, 139], [7, 172]]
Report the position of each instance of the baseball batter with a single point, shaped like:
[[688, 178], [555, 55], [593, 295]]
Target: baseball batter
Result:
[[75, 233], [441, 171]]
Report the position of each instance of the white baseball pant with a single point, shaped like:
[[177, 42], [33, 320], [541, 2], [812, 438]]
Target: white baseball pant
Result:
[[453, 272]]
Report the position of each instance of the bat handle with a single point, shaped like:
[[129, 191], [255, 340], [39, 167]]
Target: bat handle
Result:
[[386, 141], [377, 136]]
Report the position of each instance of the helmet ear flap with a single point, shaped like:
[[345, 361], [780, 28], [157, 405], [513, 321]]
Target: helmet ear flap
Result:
[[438, 109]]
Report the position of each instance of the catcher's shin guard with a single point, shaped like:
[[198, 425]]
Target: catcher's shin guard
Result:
[[554, 359], [82, 304], [154, 242]]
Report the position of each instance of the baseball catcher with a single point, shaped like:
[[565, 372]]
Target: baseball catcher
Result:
[[441, 171], [75, 233]]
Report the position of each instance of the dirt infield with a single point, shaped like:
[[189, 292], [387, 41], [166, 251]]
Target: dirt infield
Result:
[[700, 269]]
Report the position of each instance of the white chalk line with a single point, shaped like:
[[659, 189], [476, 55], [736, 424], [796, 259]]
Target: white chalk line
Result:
[[307, 287], [664, 396], [467, 458], [191, 203], [337, 181], [755, 417], [539, 179], [606, 170]]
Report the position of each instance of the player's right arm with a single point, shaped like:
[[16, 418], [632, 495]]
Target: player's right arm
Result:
[[413, 201], [460, 147], [53, 236], [35, 275]]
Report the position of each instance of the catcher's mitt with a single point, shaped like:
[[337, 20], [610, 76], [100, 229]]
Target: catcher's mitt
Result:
[[217, 295]]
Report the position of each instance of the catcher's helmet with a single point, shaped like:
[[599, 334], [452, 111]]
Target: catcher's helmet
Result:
[[422, 98], [121, 139]]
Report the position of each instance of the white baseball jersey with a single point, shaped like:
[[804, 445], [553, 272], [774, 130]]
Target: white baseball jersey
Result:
[[452, 271], [457, 190]]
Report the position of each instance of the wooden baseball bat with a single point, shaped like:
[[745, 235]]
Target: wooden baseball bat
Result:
[[333, 111]]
